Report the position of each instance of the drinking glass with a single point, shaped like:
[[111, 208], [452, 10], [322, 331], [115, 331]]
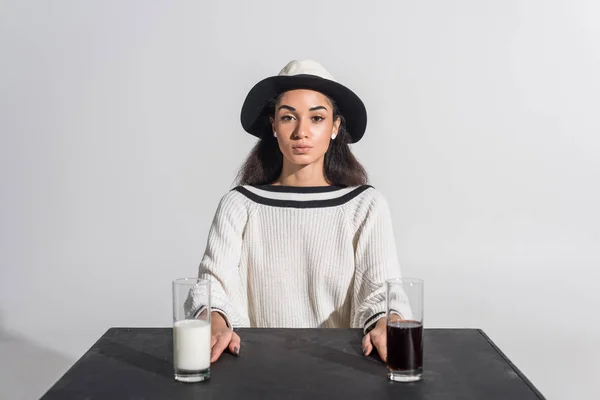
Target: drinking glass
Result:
[[191, 329], [404, 329]]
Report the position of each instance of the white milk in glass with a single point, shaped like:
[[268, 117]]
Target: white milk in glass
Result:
[[191, 345]]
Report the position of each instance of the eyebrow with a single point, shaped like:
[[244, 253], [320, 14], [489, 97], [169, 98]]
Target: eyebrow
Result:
[[310, 109], [287, 107]]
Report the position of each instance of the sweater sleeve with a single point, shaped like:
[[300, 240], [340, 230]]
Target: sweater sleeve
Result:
[[376, 261], [220, 263]]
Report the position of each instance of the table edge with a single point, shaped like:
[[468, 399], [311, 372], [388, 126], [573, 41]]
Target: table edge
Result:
[[79, 360], [512, 365], [480, 331]]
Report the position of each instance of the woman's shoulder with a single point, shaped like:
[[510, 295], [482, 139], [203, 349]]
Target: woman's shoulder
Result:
[[371, 203], [233, 199], [369, 196]]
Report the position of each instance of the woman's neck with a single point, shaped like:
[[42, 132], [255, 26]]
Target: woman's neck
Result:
[[305, 175]]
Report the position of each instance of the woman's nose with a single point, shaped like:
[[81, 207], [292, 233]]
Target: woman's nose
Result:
[[302, 129]]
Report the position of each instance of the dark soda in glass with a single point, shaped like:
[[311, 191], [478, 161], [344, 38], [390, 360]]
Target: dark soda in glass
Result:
[[405, 347]]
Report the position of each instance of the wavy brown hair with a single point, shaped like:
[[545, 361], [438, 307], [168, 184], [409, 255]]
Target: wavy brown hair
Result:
[[264, 163]]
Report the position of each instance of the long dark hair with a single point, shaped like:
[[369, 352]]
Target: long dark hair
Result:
[[264, 163]]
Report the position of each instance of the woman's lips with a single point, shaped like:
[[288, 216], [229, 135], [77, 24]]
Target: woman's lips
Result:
[[301, 149]]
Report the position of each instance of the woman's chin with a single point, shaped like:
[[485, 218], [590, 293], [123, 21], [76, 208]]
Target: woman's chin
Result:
[[301, 159]]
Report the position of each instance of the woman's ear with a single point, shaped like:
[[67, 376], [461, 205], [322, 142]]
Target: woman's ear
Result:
[[336, 128], [273, 126]]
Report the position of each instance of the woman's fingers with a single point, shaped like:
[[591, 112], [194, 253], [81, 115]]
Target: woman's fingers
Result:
[[367, 346], [224, 340], [377, 338], [380, 342], [234, 344], [221, 343]]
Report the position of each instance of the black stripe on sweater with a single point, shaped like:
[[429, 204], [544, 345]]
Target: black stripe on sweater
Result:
[[302, 203]]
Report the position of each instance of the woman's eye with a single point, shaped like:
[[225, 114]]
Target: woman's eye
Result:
[[317, 118], [286, 118]]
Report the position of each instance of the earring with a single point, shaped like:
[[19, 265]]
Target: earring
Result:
[[333, 136], [274, 134]]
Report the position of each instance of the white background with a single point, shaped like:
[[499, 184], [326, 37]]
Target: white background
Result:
[[120, 131]]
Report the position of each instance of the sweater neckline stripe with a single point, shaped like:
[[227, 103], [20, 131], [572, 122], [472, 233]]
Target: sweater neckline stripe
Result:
[[299, 196], [302, 203], [298, 189]]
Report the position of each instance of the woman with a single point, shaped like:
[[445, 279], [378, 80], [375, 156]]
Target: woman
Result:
[[303, 241]]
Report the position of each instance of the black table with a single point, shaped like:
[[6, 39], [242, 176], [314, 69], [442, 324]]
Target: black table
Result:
[[136, 363]]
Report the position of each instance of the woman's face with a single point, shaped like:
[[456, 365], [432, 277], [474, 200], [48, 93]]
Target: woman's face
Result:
[[304, 125]]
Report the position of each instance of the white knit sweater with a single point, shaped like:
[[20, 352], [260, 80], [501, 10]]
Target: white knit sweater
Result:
[[299, 257]]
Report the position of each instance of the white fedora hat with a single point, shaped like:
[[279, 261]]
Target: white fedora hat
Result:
[[303, 74]]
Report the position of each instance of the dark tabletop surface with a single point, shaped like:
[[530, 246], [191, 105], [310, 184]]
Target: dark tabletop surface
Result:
[[137, 363]]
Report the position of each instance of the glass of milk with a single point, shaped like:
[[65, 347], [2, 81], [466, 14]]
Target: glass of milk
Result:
[[191, 329]]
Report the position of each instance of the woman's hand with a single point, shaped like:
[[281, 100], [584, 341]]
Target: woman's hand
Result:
[[222, 337], [376, 338]]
